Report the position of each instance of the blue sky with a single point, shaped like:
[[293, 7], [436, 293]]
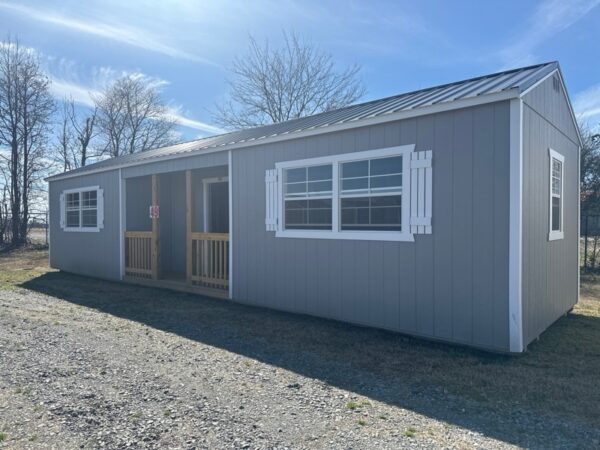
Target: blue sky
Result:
[[187, 46]]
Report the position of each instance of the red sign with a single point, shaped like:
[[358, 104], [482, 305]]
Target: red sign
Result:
[[154, 212]]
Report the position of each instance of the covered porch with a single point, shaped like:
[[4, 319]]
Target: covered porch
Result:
[[176, 231]]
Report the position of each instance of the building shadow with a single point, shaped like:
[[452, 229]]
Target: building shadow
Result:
[[516, 399]]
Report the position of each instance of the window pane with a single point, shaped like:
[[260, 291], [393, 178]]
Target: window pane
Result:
[[73, 200], [355, 169], [317, 173], [386, 165], [555, 214], [308, 214], [354, 184], [372, 213], [295, 175], [89, 199], [388, 181], [295, 189], [89, 218], [73, 219], [319, 186]]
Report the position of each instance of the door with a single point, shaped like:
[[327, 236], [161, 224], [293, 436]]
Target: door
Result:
[[218, 207]]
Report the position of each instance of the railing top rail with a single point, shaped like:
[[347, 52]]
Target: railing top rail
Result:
[[138, 234], [210, 236]]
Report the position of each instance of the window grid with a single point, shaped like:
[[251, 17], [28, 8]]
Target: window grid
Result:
[[81, 209]]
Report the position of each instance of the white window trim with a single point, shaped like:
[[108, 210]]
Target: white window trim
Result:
[[554, 235], [99, 210], [336, 233]]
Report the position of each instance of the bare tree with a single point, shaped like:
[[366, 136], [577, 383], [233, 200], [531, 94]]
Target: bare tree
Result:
[[274, 85], [132, 117], [26, 107], [74, 135]]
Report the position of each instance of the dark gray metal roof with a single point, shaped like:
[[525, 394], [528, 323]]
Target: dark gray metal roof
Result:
[[517, 79]]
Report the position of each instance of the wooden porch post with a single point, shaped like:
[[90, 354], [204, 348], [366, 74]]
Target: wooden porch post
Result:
[[188, 220], [155, 229]]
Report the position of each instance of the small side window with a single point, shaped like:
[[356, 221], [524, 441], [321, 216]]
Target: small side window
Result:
[[82, 209], [556, 195]]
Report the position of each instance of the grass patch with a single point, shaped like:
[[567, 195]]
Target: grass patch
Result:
[[3, 436], [362, 422], [410, 432], [21, 265], [352, 406]]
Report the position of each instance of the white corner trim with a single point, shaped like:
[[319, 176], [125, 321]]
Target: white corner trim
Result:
[[230, 192], [121, 229], [515, 258]]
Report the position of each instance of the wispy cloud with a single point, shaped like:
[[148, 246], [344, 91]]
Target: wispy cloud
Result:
[[84, 95], [119, 32], [587, 104], [550, 17]]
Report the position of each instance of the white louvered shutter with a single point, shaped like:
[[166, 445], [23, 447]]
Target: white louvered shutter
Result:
[[420, 192], [100, 206], [271, 198], [62, 210]]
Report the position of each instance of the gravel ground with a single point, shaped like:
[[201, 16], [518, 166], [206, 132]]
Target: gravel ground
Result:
[[91, 364]]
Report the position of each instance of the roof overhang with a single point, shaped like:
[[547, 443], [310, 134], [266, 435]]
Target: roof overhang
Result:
[[369, 121]]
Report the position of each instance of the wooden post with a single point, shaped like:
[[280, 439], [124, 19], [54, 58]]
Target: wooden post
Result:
[[188, 220], [155, 229]]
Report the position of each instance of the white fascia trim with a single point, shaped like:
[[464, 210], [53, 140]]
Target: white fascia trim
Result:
[[230, 188], [564, 88], [554, 235], [385, 118], [515, 258], [334, 233]]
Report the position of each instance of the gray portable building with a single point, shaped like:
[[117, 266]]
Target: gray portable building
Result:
[[449, 213]]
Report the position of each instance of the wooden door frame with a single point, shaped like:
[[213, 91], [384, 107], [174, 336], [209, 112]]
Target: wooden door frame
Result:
[[205, 199]]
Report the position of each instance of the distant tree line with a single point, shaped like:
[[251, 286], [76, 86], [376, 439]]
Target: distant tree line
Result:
[[39, 136]]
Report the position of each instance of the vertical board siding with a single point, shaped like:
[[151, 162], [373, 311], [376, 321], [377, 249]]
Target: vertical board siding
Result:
[[549, 267], [94, 254], [452, 284]]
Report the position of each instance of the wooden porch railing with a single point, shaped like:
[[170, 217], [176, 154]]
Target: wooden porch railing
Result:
[[139, 254], [209, 260]]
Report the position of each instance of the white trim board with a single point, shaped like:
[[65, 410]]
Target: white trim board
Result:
[[515, 258], [390, 117], [230, 187]]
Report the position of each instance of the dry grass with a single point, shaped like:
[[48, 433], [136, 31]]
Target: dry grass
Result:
[[557, 376]]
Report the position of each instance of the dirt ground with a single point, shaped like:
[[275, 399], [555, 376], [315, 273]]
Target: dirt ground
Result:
[[86, 363]]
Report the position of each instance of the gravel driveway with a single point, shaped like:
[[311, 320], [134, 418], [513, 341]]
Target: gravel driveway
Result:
[[89, 364]]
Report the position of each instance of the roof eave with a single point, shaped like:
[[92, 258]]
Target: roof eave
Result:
[[384, 118]]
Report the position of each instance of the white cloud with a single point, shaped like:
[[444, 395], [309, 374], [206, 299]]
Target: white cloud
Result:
[[587, 104], [550, 18], [83, 95], [119, 32]]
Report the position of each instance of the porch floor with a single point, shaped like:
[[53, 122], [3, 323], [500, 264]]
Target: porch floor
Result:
[[177, 283]]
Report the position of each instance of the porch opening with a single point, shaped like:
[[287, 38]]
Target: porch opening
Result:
[[177, 230]]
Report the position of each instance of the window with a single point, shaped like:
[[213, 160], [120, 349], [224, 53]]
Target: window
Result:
[[371, 194], [307, 198], [81, 209], [556, 195], [362, 195]]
